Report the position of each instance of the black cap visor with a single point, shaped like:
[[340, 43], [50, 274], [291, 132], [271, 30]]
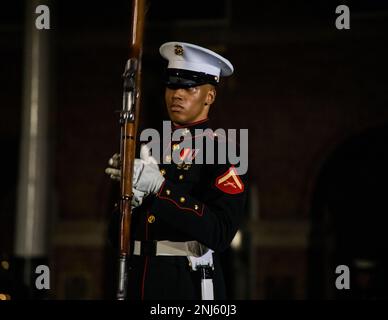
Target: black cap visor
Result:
[[179, 78]]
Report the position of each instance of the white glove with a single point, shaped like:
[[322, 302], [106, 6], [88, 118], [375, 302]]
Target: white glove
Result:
[[147, 178], [146, 175], [137, 198], [114, 172]]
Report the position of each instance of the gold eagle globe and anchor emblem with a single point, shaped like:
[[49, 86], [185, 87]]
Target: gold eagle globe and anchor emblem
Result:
[[179, 50]]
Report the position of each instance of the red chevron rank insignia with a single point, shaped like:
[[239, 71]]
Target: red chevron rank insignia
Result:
[[230, 182]]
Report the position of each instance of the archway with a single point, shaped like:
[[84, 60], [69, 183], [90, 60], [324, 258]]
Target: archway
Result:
[[349, 219]]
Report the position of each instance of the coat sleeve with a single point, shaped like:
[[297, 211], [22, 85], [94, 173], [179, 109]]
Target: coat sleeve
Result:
[[213, 221]]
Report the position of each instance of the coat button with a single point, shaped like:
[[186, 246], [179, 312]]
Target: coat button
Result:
[[182, 199], [163, 172], [181, 177], [168, 192], [151, 218], [196, 207]]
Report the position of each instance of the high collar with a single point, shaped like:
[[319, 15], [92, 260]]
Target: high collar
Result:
[[202, 124]]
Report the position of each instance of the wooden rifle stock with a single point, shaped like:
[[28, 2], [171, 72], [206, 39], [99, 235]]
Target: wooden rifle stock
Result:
[[129, 123]]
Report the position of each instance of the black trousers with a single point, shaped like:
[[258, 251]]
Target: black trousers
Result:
[[169, 278]]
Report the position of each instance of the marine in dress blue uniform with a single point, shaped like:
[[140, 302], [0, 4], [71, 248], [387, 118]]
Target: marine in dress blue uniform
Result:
[[185, 202]]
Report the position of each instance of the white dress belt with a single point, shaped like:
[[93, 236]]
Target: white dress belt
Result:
[[171, 248]]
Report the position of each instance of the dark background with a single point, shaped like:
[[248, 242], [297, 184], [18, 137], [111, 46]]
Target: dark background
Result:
[[314, 99]]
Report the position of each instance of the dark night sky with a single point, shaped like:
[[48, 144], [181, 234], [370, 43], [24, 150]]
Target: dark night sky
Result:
[[110, 14]]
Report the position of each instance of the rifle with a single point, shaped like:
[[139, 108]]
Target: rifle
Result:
[[129, 124]]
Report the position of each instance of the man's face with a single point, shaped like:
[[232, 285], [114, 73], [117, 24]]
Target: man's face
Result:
[[187, 105]]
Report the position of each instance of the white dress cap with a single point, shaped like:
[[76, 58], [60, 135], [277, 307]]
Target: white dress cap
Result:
[[187, 56]]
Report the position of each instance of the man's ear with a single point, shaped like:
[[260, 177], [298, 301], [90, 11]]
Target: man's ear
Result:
[[211, 96]]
